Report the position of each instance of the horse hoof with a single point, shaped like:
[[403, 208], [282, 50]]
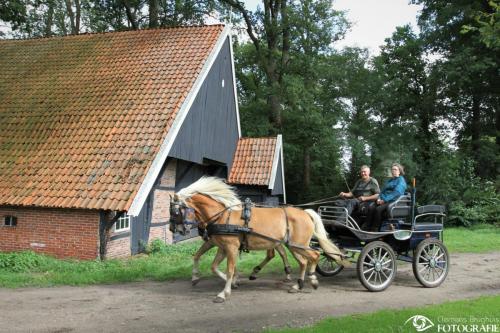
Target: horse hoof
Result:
[[219, 300], [287, 280], [235, 286], [315, 286], [293, 291], [195, 282], [251, 277]]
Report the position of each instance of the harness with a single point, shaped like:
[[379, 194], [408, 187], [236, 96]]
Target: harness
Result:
[[245, 230], [214, 228]]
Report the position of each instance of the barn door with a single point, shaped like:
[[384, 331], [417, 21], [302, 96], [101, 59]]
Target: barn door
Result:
[[139, 228]]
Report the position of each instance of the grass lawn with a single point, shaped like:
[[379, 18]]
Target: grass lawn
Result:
[[394, 321], [174, 262], [477, 239], [24, 269]]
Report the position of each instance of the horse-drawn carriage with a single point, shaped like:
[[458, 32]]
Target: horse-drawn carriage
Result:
[[409, 233]]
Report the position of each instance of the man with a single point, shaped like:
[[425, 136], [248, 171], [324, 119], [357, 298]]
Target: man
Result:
[[363, 194]]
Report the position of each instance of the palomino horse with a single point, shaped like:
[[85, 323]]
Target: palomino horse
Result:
[[195, 277], [220, 256], [184, 227], [215, 206]]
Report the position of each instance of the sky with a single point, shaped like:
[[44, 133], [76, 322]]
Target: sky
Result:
[[372, 20]]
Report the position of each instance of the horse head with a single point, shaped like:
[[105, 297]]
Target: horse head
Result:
[[182, 217]]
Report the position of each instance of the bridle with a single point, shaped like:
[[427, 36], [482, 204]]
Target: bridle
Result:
[[183, 218]]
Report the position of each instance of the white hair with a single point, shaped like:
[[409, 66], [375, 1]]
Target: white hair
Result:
[[215, 188]]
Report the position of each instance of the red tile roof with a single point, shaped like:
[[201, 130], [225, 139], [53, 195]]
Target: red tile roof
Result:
[[82, 117], [253, 161]]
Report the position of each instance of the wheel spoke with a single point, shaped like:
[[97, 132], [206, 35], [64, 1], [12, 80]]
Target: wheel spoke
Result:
[[424, 267], [426, 254], [369, 270], [442, 254], [439, 267], [369, 257], [388, 261], [387, 269], [386, 277], [369, 278], [425, 259], [380, 254], [385, 255]]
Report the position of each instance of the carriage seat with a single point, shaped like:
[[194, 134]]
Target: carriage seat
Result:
[[401, 207], [431, 209]]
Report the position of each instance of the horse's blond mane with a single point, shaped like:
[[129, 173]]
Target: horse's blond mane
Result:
[[214, 188]]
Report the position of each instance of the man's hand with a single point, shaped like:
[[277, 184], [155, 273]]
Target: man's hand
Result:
[[342, 194], [380, 202], [361, 198]]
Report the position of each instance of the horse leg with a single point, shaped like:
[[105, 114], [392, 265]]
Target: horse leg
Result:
[[232, 256], [313, 262], [288, 269], [312, 257], [302, 272], [195, 275], [256, 269], [215, 264]]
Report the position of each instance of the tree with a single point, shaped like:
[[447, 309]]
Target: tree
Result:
[[470, 69]]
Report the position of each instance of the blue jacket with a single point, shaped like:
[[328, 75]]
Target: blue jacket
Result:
[[393, 189]]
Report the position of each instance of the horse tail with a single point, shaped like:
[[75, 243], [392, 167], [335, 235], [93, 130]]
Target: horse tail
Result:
[[328, 247]]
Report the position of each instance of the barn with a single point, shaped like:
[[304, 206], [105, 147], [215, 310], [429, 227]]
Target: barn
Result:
[[96, 131]]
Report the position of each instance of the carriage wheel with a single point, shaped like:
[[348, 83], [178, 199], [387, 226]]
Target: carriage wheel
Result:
[[431, 263], [327, 266], [376, 266]]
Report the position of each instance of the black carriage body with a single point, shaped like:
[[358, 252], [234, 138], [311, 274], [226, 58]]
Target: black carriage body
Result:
[[407, 234]]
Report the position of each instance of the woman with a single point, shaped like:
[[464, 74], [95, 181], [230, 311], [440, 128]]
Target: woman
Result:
[[391, 191]]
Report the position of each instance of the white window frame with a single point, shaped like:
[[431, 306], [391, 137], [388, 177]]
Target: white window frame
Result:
[[122, 220]]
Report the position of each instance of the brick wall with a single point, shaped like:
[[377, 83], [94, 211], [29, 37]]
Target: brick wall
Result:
[[161, 203], [64, 233], [119, 247]]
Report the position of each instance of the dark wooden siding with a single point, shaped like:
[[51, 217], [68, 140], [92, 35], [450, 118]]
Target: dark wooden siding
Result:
[[210, 130], [278, 182], [139, 227], [258, 194]]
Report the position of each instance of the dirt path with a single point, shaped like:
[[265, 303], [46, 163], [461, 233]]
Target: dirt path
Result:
[[178, 307]]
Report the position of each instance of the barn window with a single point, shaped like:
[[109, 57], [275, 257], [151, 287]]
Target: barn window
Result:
[[10, 221], [123, 223]]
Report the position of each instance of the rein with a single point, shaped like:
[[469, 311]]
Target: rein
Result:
[[233, 229]]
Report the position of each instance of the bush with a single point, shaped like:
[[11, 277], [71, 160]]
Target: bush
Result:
[[157, 246], [22, 261]]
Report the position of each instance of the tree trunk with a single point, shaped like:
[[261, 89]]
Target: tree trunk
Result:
[[77, 18], [273, 59], [71, 15], [130, 15], [153, 13], [476, 130], [307, 169], [50, 19]]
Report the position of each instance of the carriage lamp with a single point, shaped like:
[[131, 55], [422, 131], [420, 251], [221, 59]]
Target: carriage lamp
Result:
[[10, 221]]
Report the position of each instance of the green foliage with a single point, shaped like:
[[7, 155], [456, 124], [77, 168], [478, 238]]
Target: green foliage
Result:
[[22, 261]]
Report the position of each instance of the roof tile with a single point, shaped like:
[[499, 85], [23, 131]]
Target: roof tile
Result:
[[82, 117], [253, 161]]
